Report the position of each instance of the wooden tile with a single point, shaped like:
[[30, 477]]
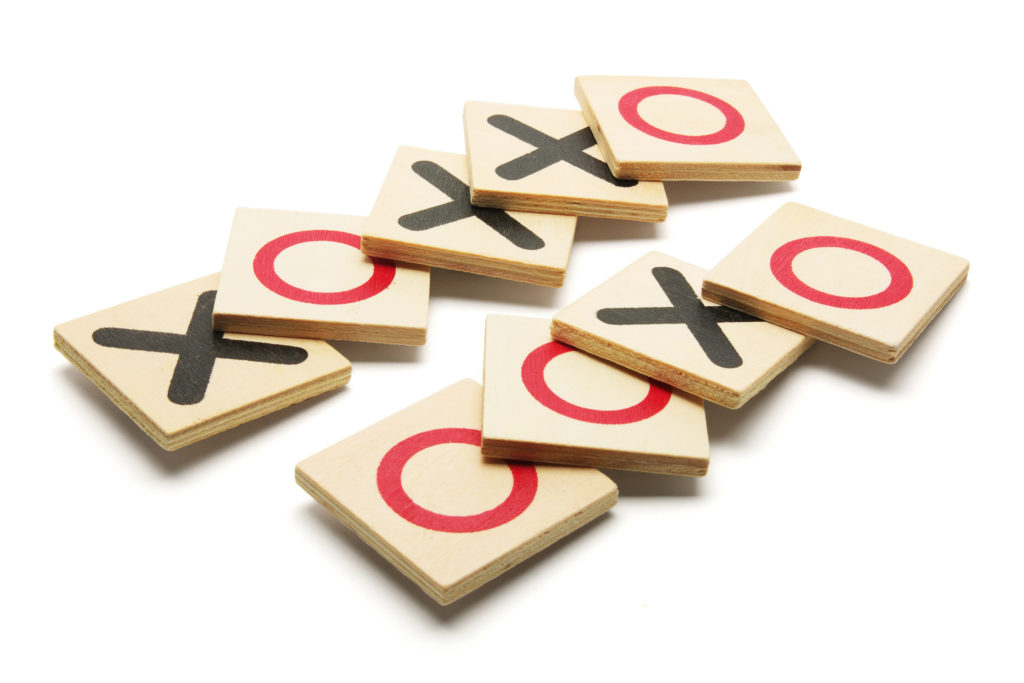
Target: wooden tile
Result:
[[536, 159], [649, 318], [298, 274], [416, 488], [839, 281], [684, 129], [423, 215], [160, 361], [547, 402]]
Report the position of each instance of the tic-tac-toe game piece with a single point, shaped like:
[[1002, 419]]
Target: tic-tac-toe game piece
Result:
[[159, 359], [684, 129], [649, 318], [839, 281], [536, 159], [416, 488], [547, 402], [298, 274], [423, 215]]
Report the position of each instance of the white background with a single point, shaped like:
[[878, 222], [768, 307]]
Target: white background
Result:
[[859, 521]]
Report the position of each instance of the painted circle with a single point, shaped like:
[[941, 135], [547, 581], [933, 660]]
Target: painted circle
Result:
[[900, 279], [389, 484], [533, 378], [263, 265], [629, 108]]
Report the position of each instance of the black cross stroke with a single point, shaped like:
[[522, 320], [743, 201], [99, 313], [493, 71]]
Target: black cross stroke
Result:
[[687, 308], [550, 151], [459, 208], [197, 350]]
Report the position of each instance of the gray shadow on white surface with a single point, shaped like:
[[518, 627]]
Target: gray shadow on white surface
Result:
[[608, 229], [368, 352], [643, 484], [174, 462], [441, 614], [452, 284], [697, 191], [737, 425], [878, 375], [727, 425]]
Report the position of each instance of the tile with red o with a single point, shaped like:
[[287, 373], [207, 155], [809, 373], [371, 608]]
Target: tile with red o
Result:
[[547, 402], [842, 282], [417, 489], [653, 128], [299, 274]]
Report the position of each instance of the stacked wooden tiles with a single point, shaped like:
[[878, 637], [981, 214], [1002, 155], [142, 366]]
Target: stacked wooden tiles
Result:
[[459, 487]]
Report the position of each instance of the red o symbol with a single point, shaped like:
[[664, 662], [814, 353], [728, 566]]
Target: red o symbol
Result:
[[263, 266], [389, 483], [900, 284], [629, 109], [533, 378]]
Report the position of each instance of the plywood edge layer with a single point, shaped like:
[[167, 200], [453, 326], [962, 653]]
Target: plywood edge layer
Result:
[[632, 360], [467, 263], [802, 324], [305, 329], [594, 457]]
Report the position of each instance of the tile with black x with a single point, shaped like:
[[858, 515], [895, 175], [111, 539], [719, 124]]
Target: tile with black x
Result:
[[537, 159], [423, 215], [650, 318], [160, 360]]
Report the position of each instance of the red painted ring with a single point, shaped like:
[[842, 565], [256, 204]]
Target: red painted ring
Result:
[[533, 379], [389, 484], [900, 284], [629, 110], [263, 266]]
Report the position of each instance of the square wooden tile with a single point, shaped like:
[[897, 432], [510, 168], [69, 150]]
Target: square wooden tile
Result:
[[416, 488], [649, 318], [839, 281], [654, 128], [298, 274], [537, 159], [423, 215], [160, 361], [547, 402]]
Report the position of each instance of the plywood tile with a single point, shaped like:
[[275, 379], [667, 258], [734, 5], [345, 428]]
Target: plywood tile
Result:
[[845, 283], [649, 318], [416, 488], [423, 215], [537, 159], [547, 402], [684, 129], [298, 274], [160, 361]]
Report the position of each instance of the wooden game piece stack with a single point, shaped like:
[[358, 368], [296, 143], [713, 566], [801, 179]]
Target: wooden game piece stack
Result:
[[616, 379]]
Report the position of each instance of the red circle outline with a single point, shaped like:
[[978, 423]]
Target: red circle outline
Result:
[[389, 484], [263, 266], [629, 110], [533, 379], [900, 283]]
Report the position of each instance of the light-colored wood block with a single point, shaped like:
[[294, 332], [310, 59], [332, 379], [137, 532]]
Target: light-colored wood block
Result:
[[654, 128], [297, 274], [416, 488], [423, 215], [547, 402], [160, 361], [842, 282], [650, 318], [536, 159]]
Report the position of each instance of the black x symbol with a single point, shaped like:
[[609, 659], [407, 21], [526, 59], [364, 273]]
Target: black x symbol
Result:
[[459, 208], [197, 350], [551, 150], [687, 308]]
